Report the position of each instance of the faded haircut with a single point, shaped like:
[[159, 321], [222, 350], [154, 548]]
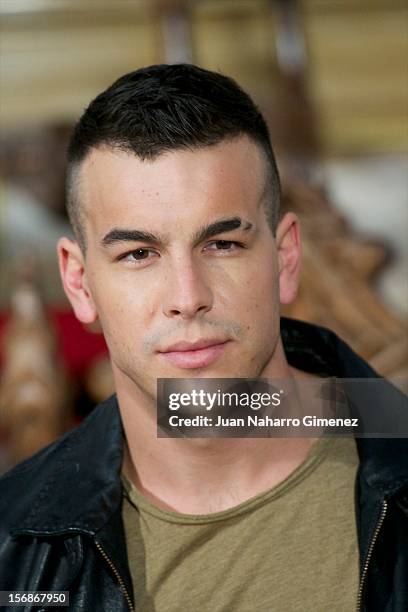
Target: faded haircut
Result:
[[164, 108]]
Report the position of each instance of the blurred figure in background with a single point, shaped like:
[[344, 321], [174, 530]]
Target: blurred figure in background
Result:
[[34, 395]]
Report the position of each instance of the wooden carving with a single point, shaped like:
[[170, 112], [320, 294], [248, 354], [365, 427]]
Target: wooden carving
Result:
[[336, 283], [32, 387]]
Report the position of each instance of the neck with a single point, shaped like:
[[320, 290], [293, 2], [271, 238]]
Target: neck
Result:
[[202, 475]]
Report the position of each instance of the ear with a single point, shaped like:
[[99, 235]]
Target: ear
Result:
[[72, 269], [288, 245]]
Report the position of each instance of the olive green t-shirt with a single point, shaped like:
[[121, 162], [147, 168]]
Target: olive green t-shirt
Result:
[[292, 548]]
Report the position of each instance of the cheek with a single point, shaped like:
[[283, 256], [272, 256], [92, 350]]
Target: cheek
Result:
[[262, 309], [121, 309], [256, 309], [253, 290], [117, 295]]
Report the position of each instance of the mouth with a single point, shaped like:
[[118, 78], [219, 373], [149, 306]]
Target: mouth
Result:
[[189, 355]]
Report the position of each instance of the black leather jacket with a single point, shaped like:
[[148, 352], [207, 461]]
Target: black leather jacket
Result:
[[60, 511]]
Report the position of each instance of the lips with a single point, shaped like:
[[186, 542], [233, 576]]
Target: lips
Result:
[[193, 346], [197, 354]]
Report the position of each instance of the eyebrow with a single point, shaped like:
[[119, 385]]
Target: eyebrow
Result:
[[220, 227], [208, 231], [127, 235]]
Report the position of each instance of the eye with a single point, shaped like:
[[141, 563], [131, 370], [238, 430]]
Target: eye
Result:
[[138, 255], [224, 245]]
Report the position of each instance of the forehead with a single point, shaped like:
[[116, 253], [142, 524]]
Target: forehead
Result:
[[117, 188]]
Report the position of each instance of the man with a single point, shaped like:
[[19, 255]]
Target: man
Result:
[[183, 258]]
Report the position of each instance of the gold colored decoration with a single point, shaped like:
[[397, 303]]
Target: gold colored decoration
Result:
[[33, 389]]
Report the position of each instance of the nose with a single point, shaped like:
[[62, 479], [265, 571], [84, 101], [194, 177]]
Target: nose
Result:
[[187, 293]]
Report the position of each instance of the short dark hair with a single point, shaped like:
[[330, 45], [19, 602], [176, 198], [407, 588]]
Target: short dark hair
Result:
[[163, 108]]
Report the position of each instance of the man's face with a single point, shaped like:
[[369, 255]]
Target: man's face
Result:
[[181, 265]]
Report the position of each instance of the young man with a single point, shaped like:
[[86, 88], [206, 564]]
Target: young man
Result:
[[182, 256]]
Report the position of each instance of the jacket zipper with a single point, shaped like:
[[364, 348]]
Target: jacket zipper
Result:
[[117, 575], [370, 553]]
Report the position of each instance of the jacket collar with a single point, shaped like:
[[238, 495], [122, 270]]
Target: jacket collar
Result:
[[78, 485], [383, 461]]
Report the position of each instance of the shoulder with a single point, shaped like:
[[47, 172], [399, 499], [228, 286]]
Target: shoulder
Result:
[[28, 475], [56, 467], [316, 349]]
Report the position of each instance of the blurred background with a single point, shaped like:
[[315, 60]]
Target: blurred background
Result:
[[330, 76]]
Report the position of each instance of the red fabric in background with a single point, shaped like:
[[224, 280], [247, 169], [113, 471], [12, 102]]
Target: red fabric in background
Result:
[[78, 346]]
